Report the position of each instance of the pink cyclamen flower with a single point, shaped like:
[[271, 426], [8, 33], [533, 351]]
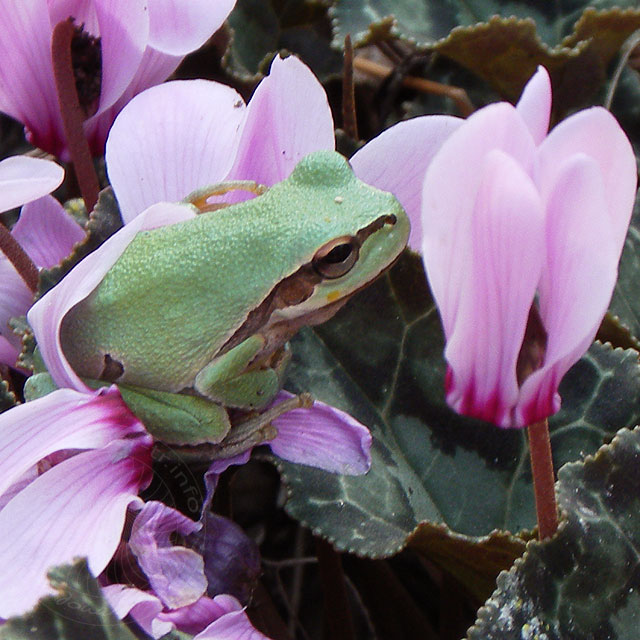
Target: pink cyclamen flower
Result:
[[209, 135], [176, 594], [71, 464], [45, 231], [512, 215], [141, 44]]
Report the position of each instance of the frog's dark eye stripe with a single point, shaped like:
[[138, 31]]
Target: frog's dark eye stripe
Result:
[[336, 258]]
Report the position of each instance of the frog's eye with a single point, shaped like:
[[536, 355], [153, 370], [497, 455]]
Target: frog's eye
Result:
[[337, 257]]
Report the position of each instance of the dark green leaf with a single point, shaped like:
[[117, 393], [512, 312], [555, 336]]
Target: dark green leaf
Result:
[[78, 612], [430, 464], [585, 582], [261, 29]]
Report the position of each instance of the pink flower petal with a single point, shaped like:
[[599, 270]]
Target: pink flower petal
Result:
[[323, 437], [8, 353], [175, 573], [154, 68], [75, 509], [577, 281], [501, 273], [63, 419], [142, 606], [233, 623], [124, 32], [23, 179], [398, 158], [27, 89], [15, 300], [449, 197], [46, 231], [199, 121], [45, 317], [178, 28], [288, 117], [534, 105], [596, 133]]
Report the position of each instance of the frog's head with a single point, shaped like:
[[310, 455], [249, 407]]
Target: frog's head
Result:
[[350, 233]]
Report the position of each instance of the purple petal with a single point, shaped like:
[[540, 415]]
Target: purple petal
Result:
[[577, 281], [143, 607], [178, 28], [46, 231], [199, 121], [231, 558], [77, 508], [397, 161], [23, 179], [175, 573], [45, 317], [15, 300], [63, 419], [195, 617], [8, 353], [234, 623], [449, 197], [323, 437], [287, 118], [501, 271], [124, 32], [596, 133], [27, 89], [534, 105]]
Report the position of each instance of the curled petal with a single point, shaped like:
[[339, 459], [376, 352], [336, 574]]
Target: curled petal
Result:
[[46, 231], [449, 197], [322, 436], [175, 573], [75, 509], [534, 105], [143, 607], [199, 121], [23, 179], [63, 419], [46, 315], [596, 133], [577, 280], [501, 271], [178, 28], [398, 158], [232, 622], [288, 117]]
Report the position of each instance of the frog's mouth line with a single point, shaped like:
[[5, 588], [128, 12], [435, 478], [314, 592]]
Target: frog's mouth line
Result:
[[295, 289]]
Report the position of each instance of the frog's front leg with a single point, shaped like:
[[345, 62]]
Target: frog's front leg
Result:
[[236, 379]]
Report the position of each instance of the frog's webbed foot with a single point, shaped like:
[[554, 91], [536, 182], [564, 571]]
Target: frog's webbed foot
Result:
[[199, 197]]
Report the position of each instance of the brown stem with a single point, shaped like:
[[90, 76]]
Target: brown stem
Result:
[[73, 115], [19, 259], [349, 119], [543, 479], [457, 94]]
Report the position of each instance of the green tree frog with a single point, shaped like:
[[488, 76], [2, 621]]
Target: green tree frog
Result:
[[193, 319]]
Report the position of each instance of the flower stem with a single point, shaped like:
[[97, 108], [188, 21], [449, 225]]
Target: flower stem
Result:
[[19, 258], [543, 479], [349, 119], [72, 113]]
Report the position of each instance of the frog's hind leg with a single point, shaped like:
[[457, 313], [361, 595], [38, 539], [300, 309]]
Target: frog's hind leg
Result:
[[200, 197]]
